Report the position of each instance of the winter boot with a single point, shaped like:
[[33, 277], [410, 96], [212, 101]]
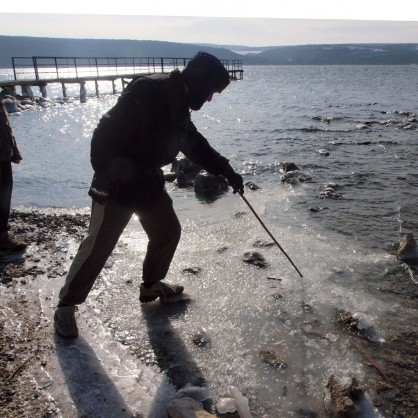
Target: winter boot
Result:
[[65, 323], [160, 290]]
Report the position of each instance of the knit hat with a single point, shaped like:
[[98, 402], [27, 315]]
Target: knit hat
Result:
[[204, 75]]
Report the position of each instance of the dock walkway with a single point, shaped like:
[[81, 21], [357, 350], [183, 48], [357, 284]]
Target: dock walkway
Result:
[[41, 71]]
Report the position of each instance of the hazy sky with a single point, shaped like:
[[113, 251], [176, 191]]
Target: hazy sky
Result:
[[220, 22]]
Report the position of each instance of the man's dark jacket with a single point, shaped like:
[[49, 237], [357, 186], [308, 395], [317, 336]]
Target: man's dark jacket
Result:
[[146, 129]]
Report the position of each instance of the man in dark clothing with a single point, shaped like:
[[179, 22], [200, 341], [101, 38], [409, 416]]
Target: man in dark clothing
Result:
[[146, 129], [8, 153]]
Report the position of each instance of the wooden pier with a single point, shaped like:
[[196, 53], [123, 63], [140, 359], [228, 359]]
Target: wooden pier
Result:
[[40, 71]]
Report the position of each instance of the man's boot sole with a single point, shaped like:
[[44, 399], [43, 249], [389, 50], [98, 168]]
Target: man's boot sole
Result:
[[168, 299], [146, 299]]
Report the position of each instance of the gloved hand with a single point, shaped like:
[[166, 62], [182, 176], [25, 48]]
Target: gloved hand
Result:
[[235, 180]]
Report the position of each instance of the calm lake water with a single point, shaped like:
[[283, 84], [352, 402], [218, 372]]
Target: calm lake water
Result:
[[343, 241], [275, 115]]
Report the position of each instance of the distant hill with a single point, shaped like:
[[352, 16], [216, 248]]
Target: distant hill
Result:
[[25, 46], [347, 54], [352, 54]]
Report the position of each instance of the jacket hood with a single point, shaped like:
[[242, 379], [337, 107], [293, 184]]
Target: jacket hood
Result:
[[204, 74]]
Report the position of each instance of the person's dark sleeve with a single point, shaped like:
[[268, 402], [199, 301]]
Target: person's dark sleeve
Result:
[[197, 149], [17, 156], [8, 146]]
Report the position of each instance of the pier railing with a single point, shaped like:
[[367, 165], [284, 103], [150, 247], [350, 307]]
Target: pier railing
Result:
[[62, 68], [41, 71]]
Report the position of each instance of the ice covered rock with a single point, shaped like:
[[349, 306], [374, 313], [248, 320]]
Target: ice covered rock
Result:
[[340, 400], [11, 105], [201, 338], [323, 152], [186, 166], [225, 405], [362, 126], [206, 183], [254, 257], [183, 172], [170, 177], [346, 318], [44, 101], [251, 185], [366, 326], [241, 402], [329, 192], [269, 356], [262, 243], [289, 167], [363, 321], [294, 177], [360, 323], [408, 250], [192, 270], [182, 180]]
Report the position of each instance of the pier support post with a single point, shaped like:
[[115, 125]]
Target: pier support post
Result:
[[42, 88], [27, 90], [64, 90], [114, 87], [83, 92], [97, 87]]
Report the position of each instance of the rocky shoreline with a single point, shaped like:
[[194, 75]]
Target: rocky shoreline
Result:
[[16, 104], [27, 337]]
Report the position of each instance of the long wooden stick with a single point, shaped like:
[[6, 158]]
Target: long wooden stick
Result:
[[372, 362], [18, 369], [271, 236]]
